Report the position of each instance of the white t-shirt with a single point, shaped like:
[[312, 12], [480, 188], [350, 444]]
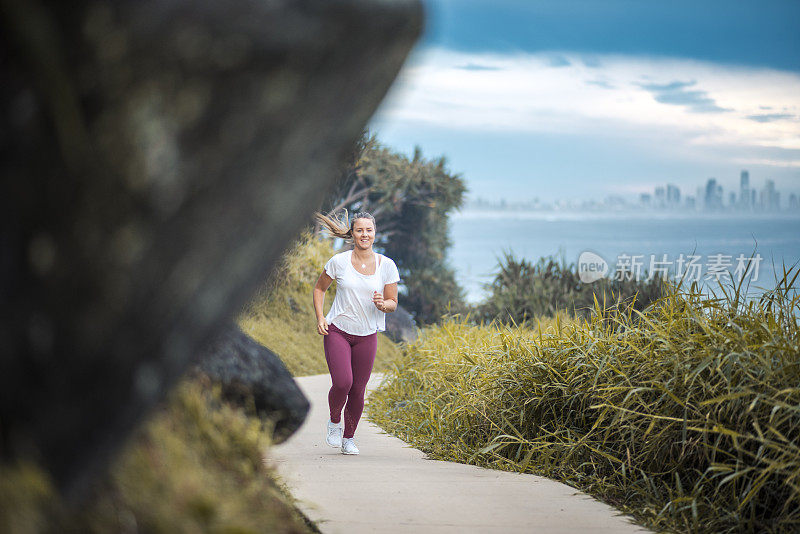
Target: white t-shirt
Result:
[[353, 310]]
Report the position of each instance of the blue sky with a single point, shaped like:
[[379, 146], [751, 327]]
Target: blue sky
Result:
[[584, 99]]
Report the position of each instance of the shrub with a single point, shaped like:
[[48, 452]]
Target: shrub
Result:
[[522, 290]]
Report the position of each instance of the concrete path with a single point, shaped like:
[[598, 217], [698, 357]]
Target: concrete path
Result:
[[391, 487]]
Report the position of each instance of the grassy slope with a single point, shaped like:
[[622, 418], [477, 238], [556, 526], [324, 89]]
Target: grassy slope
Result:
[[196, 466]]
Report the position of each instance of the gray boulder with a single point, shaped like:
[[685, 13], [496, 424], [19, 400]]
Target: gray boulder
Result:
[[248, 373]]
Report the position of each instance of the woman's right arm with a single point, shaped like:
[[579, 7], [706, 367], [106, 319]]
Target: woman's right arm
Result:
[[323, 283]]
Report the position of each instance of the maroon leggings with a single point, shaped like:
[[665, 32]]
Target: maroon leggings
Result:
[[350, 359]]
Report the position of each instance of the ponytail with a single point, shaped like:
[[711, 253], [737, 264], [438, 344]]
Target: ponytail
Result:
[[343, 228]]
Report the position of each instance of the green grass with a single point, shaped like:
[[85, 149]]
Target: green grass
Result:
[[685, 415]]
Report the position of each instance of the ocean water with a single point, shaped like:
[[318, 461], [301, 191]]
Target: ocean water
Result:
[[716, 240]]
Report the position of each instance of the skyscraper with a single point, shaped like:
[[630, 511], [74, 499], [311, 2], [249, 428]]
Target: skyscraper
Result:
[[744, 190], [660, 197], [713, 195], [673, 196], [770, 198]]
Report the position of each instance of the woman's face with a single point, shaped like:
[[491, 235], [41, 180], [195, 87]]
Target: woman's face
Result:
[[363, 233]]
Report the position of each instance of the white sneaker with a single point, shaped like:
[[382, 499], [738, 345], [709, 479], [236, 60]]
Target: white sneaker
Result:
[[333, 434], [348, 447]]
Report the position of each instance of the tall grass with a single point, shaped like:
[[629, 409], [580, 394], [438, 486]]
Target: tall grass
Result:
[[685, 414]]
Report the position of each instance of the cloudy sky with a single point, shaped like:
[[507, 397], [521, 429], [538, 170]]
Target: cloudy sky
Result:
[[589, 98]]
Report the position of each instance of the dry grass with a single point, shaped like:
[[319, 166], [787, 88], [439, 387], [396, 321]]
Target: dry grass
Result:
[[686, 415]]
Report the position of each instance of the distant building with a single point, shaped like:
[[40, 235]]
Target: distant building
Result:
[[645, 199], [713, 195], [744, 191], [661, 197], [794, 203], [770, 198], [481, 202], [614, 201], [690, 202], [673, 196], [732, 199]]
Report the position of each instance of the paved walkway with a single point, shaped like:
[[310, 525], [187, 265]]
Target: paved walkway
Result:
[[391, 487]]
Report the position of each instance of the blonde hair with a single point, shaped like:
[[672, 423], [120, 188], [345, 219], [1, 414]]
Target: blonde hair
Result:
[[343, 228]]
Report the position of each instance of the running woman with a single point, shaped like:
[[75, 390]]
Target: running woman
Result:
[[366, 290]]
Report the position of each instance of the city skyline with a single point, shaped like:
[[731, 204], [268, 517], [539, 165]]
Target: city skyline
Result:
[[712, 196], [709, 196]]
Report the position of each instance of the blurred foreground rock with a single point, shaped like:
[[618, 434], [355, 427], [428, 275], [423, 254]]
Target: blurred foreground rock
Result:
[[158, 156], [246, 370]]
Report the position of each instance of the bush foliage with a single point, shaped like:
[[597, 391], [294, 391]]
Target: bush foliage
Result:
[[522, 290]]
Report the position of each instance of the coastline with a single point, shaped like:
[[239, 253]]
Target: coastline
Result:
[[575, 215]]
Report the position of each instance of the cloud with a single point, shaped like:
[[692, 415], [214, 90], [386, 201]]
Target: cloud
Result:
[[600, 83], [677, 93], [559, 61], [644, 99], [591, 62], [475, 66], [768, 162], [770, 117]]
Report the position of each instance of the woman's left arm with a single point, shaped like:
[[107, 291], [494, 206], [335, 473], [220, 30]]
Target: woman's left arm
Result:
[[389, 298]]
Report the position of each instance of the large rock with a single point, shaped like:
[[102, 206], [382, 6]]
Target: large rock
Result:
[[248, 372], [158, 156]]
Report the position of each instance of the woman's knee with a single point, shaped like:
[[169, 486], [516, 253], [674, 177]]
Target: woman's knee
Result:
[[342, 386], [357, 391]]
